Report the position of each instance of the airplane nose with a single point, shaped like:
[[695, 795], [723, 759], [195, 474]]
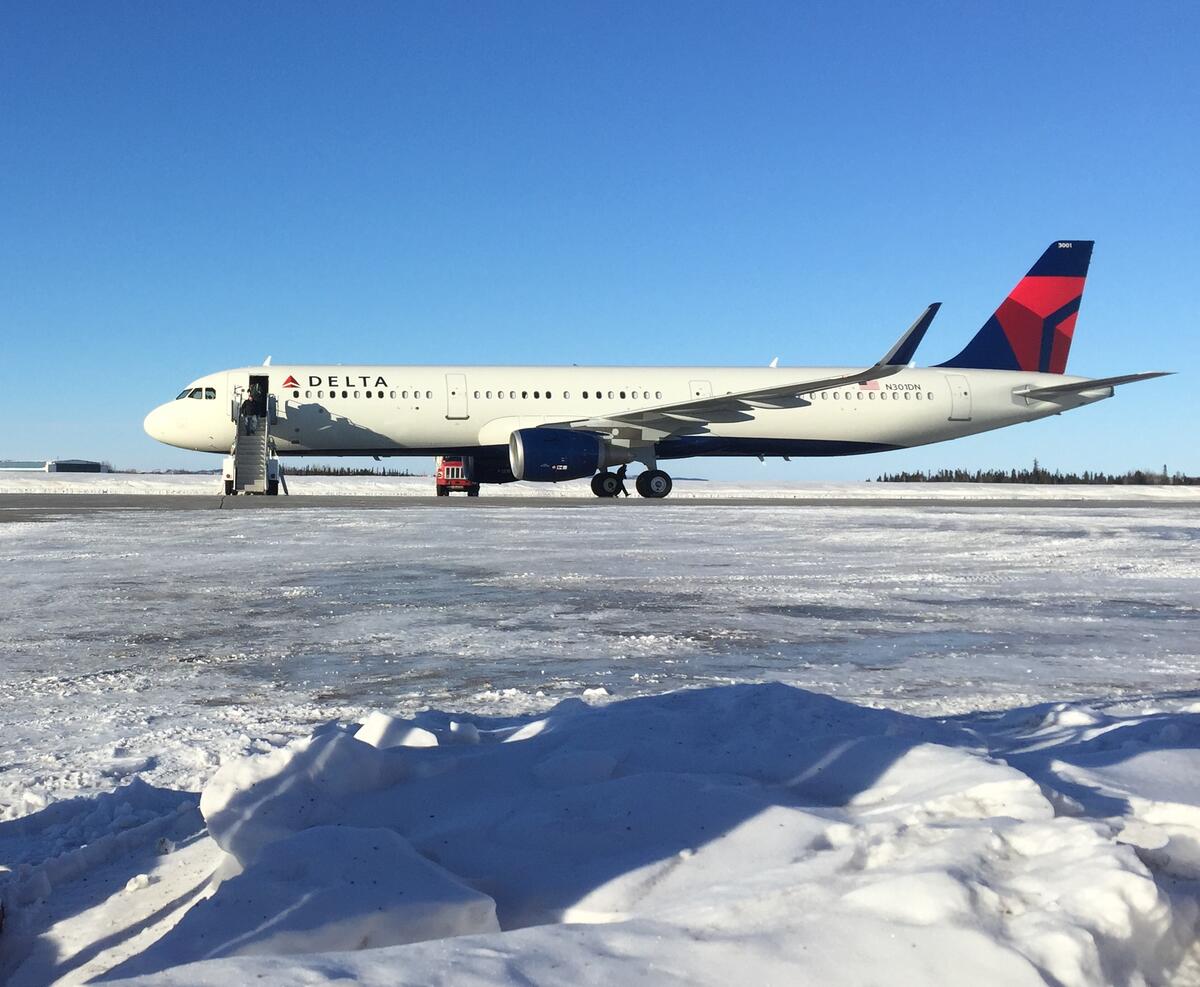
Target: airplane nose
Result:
[[156, 424]]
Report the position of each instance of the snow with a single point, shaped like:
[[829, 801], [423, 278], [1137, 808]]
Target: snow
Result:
[[684, 488], [837, 745]]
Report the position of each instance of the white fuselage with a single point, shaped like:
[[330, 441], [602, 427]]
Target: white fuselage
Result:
[[417, 410]]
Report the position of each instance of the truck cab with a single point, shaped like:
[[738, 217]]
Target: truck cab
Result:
[[454, 473]]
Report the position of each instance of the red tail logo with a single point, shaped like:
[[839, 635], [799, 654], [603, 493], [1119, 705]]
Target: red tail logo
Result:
[[291, 381]]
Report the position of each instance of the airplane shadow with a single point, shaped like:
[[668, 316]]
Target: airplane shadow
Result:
[[320, 429]]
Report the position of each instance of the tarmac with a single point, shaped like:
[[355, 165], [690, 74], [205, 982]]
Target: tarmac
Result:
[[46, 507]]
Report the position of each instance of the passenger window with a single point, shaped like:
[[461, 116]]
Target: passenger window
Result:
[[429, 394], [488, 394], [622, 395], [345, 394], [210, 394], [393, 394], [566, 395], [536, 394], [320, 394], [476, 395], [512, 395], [836, 395], [658, 395], [907, 395], [610, 394], [524, 394], [368, 394], [295, 394], [860, 395]]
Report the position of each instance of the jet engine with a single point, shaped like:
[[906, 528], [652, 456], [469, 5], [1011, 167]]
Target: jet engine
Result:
[[552, 454]]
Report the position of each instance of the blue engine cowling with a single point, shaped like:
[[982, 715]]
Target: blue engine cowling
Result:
[[555, 454]]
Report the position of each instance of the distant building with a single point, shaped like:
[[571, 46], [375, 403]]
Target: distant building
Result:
[[22, 466], [77, 466]]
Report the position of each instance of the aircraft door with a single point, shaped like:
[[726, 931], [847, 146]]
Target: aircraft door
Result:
[[456, 396], [699, 389], [960, 397]]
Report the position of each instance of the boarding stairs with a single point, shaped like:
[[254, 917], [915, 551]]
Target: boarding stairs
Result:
[[250, 454], [255, 467]]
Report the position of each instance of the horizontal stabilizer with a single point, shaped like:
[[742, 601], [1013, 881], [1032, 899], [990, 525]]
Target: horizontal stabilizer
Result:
[[1057, 390]]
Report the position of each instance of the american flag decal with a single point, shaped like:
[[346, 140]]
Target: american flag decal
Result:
[[869, 385]]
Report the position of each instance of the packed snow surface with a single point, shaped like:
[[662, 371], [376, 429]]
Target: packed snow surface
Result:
[[903, 745], [684, 488]]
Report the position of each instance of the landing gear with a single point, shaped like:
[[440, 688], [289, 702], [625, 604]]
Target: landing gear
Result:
[[605, 484], [654, 484]]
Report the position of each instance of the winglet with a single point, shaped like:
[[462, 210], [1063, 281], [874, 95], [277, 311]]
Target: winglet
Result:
[[906, 346]]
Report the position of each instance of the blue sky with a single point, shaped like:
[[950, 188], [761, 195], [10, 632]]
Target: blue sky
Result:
[[189, 187]]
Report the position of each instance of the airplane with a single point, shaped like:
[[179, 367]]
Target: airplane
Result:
[[553, 424]]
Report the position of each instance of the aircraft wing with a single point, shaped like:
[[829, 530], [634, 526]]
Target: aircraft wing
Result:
[[1060, 390], [659, 421]]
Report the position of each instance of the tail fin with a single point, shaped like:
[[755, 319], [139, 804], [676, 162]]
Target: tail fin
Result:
[[1032, 328]]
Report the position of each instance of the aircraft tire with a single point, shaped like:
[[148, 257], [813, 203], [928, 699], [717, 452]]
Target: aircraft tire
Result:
[[605, 484], [654, 484]]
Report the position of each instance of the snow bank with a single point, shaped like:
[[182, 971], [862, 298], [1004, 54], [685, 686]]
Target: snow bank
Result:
[[719, 835], [422, 486]]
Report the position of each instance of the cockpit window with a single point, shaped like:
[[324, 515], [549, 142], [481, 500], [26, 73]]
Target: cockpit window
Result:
[[210, 394], [184, 393], [197, 392]]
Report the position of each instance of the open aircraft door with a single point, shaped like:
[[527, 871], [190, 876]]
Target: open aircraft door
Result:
[[456, 396], [960, 397]]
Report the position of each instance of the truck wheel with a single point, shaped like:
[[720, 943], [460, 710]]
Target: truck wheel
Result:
[[472, 491], [272, 488], [443, 492], [229, 488]]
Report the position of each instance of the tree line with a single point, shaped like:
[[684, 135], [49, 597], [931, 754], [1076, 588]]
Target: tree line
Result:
[[1039, 474]]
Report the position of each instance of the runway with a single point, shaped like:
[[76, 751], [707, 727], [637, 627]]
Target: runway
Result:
[[44, 507]]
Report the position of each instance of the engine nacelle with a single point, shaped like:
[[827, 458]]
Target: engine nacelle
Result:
[[551, 454]]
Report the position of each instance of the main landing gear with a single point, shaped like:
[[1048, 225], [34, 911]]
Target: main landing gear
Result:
[[654, 484]]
